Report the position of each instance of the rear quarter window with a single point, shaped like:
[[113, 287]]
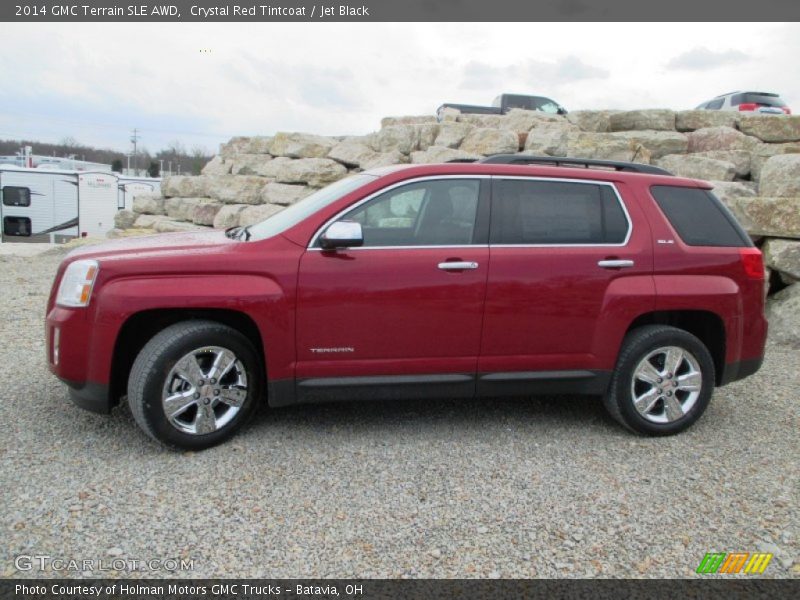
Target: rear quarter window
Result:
[[698, 217]]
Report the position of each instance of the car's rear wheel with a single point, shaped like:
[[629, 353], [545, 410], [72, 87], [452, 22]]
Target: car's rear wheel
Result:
[[194, 384], [663, 381]]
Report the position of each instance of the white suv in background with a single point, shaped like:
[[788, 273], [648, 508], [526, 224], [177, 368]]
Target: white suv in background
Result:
[[760, 102]]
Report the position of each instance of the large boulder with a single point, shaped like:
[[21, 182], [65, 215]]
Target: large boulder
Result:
[[402, 138], [236, 189], [148, 204], [441, 154], [245, 145], [631, 120], [228, 216], [186, 186], [780, 176], [490, 141], [450, 114], [697, 167], [249, 164], [522, 121], [217, 166], [124, 219], [300, 145], [316, 172], [771, 217], [783, 314], [597, 121], [356, 152], [182, 209], [255, 214], [606, 146], [451, 134], [283, 194], [728, 191], [657, 143], [482, 121], [720, 138], [739, 158], [771, 128], [690, 120], [205, 212], [548, 140], [763, 152], [783, 256]]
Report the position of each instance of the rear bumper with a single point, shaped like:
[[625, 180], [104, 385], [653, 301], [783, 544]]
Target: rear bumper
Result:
[[739, 370], [90, 396]]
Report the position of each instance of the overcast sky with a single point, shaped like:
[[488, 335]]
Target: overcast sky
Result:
[[96, 82]]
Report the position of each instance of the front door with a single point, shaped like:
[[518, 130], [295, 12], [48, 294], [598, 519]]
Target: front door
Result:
[[401, 314]]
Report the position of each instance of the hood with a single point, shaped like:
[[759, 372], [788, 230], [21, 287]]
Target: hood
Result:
[[160, 244]]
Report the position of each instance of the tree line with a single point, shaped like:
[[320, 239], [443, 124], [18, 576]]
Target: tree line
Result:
[[175, 156]]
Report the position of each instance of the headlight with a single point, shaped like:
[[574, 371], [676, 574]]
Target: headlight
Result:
[[77, 282]]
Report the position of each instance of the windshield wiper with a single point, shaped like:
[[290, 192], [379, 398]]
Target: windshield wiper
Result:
[[233, 232]]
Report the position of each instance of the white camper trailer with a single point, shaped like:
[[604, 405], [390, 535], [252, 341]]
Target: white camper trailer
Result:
[[38, 205], [53, 205], [128, 187]]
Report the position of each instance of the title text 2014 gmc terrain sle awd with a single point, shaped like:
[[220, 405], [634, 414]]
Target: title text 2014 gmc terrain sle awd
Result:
[[505, 276]]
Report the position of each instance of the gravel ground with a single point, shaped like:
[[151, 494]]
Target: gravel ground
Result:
[[546, 487]]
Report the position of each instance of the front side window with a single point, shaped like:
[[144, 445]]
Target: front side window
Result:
[[425, 213], [16, 196], [533, 212]]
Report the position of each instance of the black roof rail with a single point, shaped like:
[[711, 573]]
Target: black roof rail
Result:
[[558, 161], [462, 160]]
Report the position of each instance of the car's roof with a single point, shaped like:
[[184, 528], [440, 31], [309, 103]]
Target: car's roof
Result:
[[408, 171]]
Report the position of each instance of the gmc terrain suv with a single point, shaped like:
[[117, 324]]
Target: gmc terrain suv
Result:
[[511, 276]]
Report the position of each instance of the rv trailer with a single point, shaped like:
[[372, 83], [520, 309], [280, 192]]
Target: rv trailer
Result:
[[54, 205], [128, 187]]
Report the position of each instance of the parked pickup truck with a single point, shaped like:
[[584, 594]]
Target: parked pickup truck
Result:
[[504, 103], [514, 275]]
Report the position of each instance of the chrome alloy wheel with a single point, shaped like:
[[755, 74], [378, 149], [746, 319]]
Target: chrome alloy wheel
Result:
[[204, 390], [666, 384]]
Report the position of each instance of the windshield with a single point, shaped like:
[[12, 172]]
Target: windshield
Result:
[[292, 215]]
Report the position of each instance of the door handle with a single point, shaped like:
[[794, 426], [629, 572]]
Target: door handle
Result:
[[615, 264], [457, 265]]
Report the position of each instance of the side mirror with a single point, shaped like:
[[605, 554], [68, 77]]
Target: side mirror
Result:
[[342, 234]]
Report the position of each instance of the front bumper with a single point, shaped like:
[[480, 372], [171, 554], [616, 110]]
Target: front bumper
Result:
[[90, 396]]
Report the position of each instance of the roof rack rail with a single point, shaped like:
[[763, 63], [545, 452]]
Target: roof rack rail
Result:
[[462, 160], [557, 161]]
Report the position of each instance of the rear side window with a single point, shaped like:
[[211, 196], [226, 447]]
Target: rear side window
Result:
[[531, 212], [715, 104], [16, 196], [699, 217]]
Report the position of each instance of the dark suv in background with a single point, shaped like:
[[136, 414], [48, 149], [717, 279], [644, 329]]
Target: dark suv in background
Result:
[[510, 276]]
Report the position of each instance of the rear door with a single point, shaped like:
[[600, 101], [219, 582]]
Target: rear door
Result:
[[566, 264], [405, 309]]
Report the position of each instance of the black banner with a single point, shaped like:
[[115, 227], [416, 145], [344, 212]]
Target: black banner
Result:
[[370, 589], [104, 11]]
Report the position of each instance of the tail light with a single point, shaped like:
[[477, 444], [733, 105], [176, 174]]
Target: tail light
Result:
[[748, 106], [786, 109], [753, 262]]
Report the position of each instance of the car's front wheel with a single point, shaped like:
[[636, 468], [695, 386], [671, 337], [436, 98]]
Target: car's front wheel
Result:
[[663, 381], [194, 384]]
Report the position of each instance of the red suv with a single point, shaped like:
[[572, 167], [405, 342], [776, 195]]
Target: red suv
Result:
[[511, 276]]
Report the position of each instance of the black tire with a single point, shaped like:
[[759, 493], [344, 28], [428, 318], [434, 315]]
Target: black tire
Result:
[[155, 364], [638, 345]]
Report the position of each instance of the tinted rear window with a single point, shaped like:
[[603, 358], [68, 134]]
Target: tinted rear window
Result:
[[533, 212], [699, 217], [752, 98]]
